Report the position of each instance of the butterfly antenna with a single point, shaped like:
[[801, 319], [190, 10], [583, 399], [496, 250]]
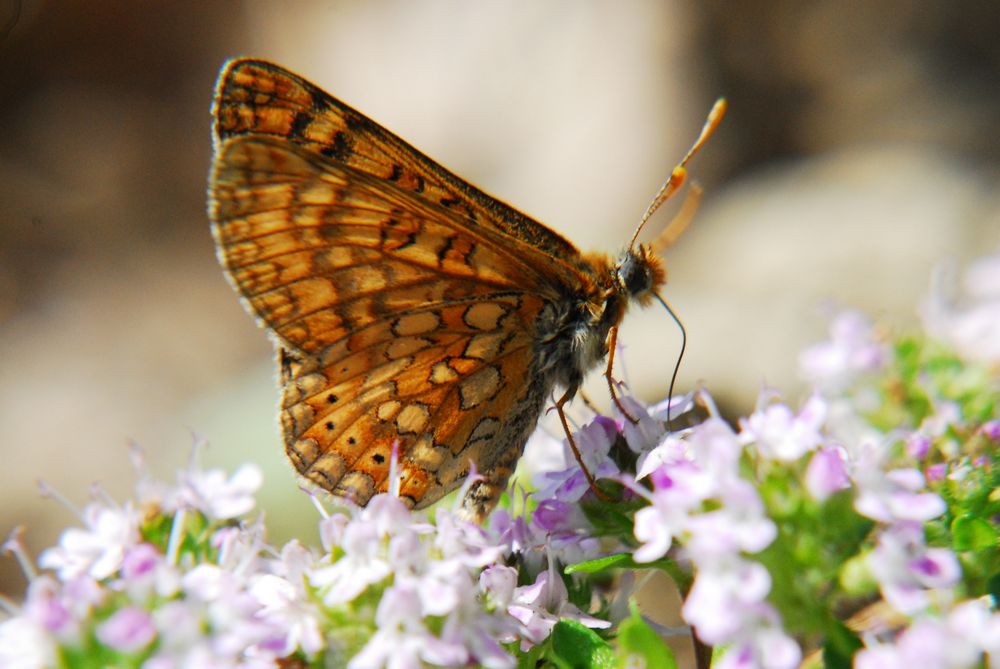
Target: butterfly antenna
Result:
[[680, 356], [676, 227], [679, 174]]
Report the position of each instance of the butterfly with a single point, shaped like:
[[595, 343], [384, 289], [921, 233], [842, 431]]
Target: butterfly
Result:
[[416, 318]]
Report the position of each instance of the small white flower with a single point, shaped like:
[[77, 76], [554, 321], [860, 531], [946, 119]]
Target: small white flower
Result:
[[894, 495], [907, 570], [655, 528], [498, 582], [539, 606], [971, 322], [362, 565], [956, 640], [643, 434], [441, 586], [851, 351], [464, 541], [25, 645], [764, 648], [181, 628], [98, 549], [827, 473], [402, 641], [217, 496], [144, 572], [283, 607], [725, 597], [781, 435], [740, 525], [128, 630], [594, 442]]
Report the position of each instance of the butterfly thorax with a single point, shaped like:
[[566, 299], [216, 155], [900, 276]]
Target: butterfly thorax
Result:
[[572, 334]]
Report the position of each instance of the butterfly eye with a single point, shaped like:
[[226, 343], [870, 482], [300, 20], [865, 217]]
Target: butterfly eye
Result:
[[633, 273]]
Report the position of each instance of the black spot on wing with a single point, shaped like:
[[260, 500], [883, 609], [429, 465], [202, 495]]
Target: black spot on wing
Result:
[[299, 124], [340, 149]]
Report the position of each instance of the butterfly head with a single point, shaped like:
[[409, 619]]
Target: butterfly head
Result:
[[638, 273]]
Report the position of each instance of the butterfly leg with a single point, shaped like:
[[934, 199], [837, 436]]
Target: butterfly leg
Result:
[[567, 396], [612, 346]]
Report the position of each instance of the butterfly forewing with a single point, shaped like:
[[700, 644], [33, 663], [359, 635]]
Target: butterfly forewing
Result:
[[318, 251], [404, 301], [256, 97]]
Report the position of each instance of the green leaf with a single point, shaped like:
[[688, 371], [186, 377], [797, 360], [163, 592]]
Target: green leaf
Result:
[[841, 644], [637, 638], [600, 564], [970, 533], [678, 574], [993, 586], [575, 646], [615, 520]]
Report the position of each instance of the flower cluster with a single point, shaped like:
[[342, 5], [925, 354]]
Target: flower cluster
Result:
[[860, 528], [423, 582], [700, 499], [128, 587], [186, 583]]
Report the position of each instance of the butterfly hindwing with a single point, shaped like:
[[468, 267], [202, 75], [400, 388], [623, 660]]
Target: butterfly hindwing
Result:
[[444, 397]]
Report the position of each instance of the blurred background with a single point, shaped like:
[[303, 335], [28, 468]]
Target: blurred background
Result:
[[861, 148]]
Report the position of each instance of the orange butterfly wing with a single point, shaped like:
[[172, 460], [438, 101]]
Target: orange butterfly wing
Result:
[[260, 98], [405, 301]]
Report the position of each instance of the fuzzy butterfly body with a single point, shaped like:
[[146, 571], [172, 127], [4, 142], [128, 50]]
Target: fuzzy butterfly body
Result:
[[409, 308]]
